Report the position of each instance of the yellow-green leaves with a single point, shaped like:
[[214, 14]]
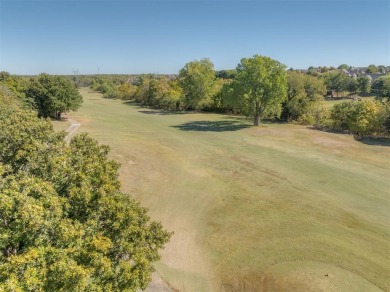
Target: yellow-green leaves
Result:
[[304, 98], [259, 88], [197, 79], [64, 224], [362, 118], [53, 95]]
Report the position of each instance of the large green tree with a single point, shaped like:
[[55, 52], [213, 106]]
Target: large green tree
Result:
[[371, 69], [381, 86], [64, 223], [364, 84], [343, 66], [305, 98], [197, 78], [53, 95], [337, 81], [259, 88]]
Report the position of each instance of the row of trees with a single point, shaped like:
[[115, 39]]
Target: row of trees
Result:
[[64, 223], [371, 69], [257, 89]]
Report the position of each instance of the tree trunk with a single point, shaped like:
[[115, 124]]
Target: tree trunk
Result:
[[256, 120]]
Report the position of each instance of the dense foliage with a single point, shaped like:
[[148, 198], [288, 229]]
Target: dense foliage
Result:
[[368, 117], [259, 88], [159, 92], [305, 99], [197, 78], [381, 86], [64, 223], [256, 88], [53, 95]]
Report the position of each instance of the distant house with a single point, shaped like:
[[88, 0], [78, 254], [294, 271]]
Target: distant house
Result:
[[374, 76], [361, 71]]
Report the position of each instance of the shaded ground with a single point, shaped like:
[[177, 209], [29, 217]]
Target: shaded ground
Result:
[[376, 141], [212, 126]]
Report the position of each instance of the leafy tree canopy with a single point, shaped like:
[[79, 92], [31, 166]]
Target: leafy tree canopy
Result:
[[364, 84], [372, 69], [197, 80], [362, 118], [259, 88], [381, 86], [226, 74], [53, 95], [305, 95], [335, 80], [64, 223], [343, 66]]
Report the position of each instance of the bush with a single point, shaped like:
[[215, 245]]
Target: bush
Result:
[[361, 118], [111, 93]]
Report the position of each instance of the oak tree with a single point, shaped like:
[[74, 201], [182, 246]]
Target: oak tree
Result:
[[53, 95], [259, 88], [197, 79], [65, 225]]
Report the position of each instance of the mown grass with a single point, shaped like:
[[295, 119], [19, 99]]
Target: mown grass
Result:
[[60, 125], [270, 208], [332, 102]]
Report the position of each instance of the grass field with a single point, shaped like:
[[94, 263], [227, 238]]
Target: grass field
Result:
[[331, 102], [273, 208], [60, 125]]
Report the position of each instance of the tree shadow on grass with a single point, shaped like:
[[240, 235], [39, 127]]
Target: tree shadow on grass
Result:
[[151, 111], [162, 113], [130, 102], [376, 141], [212, 126]]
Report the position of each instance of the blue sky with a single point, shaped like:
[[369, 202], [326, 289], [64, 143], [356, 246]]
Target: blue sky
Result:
[[161, 36]]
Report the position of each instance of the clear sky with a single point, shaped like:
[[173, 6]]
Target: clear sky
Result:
[[160, 36]]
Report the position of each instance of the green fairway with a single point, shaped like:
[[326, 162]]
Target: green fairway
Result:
[[332, 102], [272, 208]]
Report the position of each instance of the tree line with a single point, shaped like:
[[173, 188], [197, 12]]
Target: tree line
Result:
[[260, 88], [48, 95]]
